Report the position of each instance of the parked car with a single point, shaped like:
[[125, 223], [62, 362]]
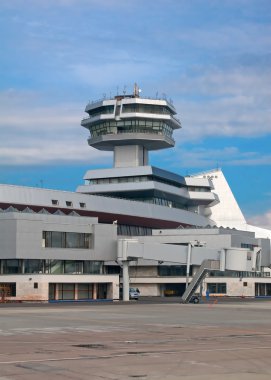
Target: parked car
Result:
[[134, 293]]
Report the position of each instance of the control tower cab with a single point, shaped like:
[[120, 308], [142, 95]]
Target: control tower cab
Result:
[[131, 126]]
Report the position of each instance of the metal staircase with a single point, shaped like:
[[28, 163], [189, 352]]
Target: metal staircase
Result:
[[204, 269]]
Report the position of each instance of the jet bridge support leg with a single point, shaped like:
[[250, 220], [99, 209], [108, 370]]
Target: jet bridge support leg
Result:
[[188, 260], [125, 277]]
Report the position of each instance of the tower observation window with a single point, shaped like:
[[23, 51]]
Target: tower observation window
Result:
[[145, 108], [131, 126], [101, 111]]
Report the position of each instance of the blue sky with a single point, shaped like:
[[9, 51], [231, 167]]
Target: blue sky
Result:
[[212, 57]]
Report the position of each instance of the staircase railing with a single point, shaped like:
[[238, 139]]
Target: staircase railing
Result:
[[204, 269]]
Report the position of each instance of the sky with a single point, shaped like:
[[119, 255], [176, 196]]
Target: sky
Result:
[[211, 57]]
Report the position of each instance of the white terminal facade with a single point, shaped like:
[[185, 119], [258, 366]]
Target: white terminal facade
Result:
[[131, 225]]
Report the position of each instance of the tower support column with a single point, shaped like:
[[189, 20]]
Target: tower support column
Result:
[[130, 156]]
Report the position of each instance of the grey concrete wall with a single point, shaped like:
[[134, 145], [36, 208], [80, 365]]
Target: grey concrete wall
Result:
[[266, 252], [212, 241], [8, 229], [21, 237]]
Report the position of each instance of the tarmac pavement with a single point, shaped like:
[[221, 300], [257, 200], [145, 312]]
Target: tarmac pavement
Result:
[[137, 340]]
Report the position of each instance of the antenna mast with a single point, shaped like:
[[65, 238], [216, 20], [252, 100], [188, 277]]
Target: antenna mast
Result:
[[136, 91]]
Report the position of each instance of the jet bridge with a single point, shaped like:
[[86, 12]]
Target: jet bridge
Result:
[[236, 259]]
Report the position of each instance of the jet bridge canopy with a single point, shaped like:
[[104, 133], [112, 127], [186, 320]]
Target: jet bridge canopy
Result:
[[236, 259]]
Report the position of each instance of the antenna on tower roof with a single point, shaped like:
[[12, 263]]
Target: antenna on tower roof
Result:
[[136, 90]]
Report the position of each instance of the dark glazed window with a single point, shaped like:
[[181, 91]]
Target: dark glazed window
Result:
[[217, 288], [8, 289], [33, 266], [171, 270], [12, 266], [57, 239]]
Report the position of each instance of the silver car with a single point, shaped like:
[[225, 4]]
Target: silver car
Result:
[[134, 293]]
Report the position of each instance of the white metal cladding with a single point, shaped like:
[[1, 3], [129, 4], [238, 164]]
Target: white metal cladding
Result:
[[42, 197], [23, 239], [237, 259]]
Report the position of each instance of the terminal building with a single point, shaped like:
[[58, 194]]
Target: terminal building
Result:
[[60, 245]]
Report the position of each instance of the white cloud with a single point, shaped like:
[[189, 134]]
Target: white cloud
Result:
[[263, 220], [211, 157], [233, 103], [33, 134]]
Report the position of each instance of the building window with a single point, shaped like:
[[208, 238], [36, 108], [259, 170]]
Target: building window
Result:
[[82, 205], [68, 203], [262, 289], [92, 267], [217, 288], [54, 266], [54, 202], [33, 266], [7, 289], [59, 239], [248, 246], [36, 285], [12, 266], [113, 269], [73, 267], [171, 270], [85, 291], [66, 291]]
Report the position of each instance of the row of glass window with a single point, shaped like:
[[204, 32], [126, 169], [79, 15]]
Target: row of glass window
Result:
[[162, 202], [248, 246], [59, 239], [101, 111], [262, 289], [173, 270], [238, 274], [78, 291], [131, 108], [152, 200], [219, 288], [145, 108], [55, 202], [200, 189], [28, 266], [101, 181], [127, 230], [131, 126], [142, 178]]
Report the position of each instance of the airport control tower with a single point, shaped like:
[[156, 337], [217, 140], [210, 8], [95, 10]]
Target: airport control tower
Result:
[[131, 126]]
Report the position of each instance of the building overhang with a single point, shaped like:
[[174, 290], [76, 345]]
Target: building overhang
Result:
[[150, 141]]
